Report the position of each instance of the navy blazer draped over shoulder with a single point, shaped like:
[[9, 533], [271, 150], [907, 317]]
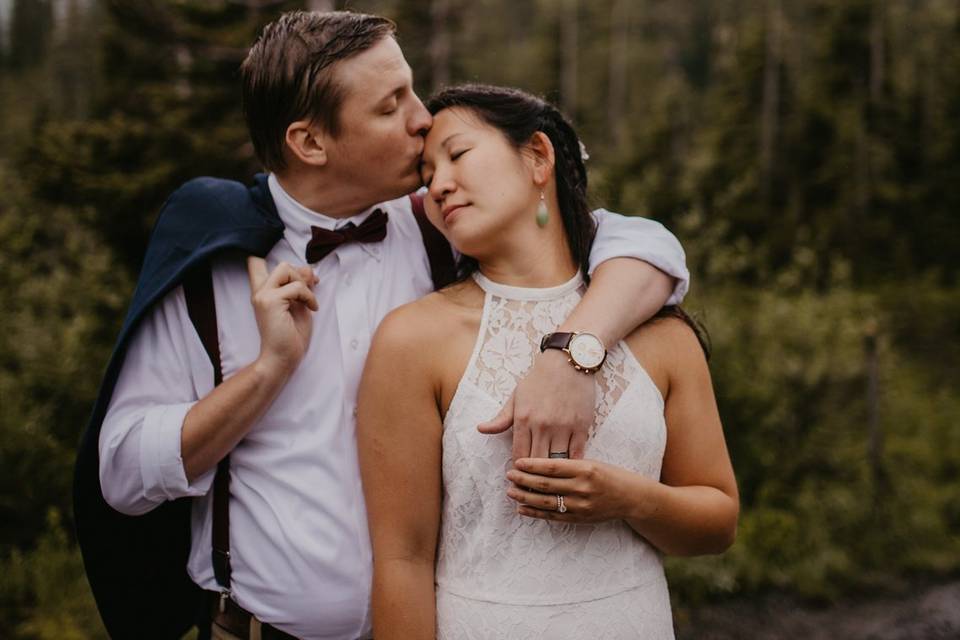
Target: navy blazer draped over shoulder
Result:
[[137, 566]]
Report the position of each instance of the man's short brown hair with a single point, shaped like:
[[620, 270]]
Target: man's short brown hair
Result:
[[288, 74]]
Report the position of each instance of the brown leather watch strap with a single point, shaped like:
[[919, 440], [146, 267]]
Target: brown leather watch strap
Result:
[[556, 340]]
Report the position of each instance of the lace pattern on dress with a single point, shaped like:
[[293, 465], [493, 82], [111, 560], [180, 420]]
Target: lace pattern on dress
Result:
[[491, 561]]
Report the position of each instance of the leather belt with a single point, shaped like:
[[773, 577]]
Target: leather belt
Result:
[[241, 622]]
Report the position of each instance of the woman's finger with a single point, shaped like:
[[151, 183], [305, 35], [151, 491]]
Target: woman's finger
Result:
[[553, 467], [546, 514], [533, 499], [542, 484]]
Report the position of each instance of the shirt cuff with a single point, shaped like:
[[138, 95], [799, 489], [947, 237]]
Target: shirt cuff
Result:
[[160, 463]]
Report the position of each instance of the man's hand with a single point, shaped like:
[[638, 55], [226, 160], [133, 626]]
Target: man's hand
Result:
[[551, 410], [283, 302]]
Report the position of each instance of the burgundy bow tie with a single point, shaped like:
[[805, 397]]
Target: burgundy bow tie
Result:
[[373, 229]]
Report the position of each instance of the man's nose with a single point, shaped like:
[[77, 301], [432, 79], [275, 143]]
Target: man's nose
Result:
[[421, 121]]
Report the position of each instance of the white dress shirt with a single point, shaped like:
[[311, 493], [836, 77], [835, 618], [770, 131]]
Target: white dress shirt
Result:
[[299, 544]]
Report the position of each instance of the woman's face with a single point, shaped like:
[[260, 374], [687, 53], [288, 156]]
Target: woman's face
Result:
[[479, 183]]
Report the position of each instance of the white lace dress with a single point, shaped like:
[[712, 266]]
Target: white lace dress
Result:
[[500, 575]]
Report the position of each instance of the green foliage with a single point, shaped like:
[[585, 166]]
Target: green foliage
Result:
[[64, 299], [810, 178], [44, 592], [817, 520]]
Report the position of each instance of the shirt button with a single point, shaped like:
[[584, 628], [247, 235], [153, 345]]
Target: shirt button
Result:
[[347, 279], [354, 344], [354, 411]]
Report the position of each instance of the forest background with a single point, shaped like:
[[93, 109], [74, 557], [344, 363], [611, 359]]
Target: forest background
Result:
[[806, 153]]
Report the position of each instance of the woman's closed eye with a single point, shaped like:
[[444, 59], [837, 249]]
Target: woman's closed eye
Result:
[[455, 155]]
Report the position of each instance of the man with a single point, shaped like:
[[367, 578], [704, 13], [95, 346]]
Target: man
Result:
[[332, 114]]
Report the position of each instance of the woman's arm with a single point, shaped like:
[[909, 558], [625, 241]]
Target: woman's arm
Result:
[[693, 509], [399, 440]]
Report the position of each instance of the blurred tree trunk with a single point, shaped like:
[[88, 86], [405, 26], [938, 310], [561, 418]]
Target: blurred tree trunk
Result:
[[3, 46], [771, 99], [440, 43], [31, 24], [569, 38], [320, 5], [877, 50], [871, 108], [619, 58]]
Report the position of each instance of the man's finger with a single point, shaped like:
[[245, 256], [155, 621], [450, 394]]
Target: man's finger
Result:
[[298, 292], [578, 444], [521, 443], [560, 443], [540, 445], [257, 270], [501, 422], [307, 275]]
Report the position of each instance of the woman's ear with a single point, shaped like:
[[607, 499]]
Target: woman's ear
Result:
[[307, 143], [542, 156]]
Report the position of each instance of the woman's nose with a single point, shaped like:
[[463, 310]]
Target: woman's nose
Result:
[[441, 185]]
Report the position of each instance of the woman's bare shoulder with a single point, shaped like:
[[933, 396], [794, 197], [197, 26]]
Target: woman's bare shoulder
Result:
[[413, 326], [666, 347]]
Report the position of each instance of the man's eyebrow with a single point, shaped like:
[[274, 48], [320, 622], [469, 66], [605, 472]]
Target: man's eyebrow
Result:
[[400, 86]]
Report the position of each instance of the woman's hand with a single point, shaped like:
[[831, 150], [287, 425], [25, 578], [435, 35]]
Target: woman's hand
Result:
[[592, 491]]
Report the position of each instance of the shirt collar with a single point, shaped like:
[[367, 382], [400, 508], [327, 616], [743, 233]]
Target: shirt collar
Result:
[[298, 219]]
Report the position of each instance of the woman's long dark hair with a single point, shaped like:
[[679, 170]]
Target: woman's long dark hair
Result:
[[518, 115]]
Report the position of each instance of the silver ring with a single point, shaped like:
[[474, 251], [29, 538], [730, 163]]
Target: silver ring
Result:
[[559, 454], [562, 508]]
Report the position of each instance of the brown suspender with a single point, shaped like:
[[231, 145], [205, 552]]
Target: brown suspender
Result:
[[201, 307]]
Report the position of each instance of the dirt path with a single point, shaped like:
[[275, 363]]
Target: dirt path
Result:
[[932, 613]]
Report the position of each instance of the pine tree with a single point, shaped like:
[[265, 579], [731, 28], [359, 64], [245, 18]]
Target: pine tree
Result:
[[169, 111]]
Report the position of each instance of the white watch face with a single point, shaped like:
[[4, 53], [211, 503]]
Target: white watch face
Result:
[[586, 350]]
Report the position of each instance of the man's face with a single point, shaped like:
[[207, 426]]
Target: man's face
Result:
[[381, 124]]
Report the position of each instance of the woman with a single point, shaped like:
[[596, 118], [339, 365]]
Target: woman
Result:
[[467, 544]]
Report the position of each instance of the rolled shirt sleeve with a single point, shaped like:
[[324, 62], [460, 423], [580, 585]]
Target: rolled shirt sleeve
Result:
[[163, 374], [620, 236]]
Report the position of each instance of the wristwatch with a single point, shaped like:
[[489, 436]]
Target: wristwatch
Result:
[[585, 351]]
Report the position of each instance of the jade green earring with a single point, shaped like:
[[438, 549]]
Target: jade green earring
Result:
[[542, 214]]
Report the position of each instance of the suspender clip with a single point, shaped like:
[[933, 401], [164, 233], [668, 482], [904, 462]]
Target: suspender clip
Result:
[[224, 596]]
